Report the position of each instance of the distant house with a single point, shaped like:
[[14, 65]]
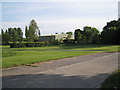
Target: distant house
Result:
[[54, 37]]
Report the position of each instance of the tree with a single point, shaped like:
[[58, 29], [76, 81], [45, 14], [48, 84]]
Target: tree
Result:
[[31, 34], [69, 33], [14, 35], [5, 37], [39, 32], [69, 36], [78, 35], [33, 24], [26, 32], [111, 32], [10, 33], [20, 34], [2, 32], [2, 35], [91, 34]]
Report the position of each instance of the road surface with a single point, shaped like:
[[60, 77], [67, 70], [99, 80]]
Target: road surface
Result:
[[87, 71]]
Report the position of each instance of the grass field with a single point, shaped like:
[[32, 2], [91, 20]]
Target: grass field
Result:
[[113, 81], [22, 56]]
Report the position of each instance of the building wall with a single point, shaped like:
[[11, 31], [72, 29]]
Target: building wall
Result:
[[46, 38], [60, 36], [54, 37]]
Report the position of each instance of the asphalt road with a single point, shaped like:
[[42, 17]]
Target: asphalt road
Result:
[[87, 71]]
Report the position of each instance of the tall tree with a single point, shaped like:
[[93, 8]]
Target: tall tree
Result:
[[33, 24], [20, 34], [5, 37], [78, 35], [14, 35], [31, 34], [91, 33], [111, 32], [26, 32], [39, 32], [2, 32], [2, 35]]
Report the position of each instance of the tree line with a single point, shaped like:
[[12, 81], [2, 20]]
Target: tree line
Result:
[[15, 34], [109, 35], [87, 35]]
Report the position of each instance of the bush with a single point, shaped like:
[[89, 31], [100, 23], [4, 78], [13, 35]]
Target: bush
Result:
[[113, 81], [68, 41], [28, 44], [55, 42]]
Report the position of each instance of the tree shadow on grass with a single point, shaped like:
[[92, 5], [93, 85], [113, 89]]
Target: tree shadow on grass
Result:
[[52, 81], [67, 47], [83, 46]]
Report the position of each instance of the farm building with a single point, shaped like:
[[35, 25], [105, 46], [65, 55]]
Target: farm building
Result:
[[54, 37]]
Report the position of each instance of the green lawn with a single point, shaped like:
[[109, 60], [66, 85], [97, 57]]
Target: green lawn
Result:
[[113, 81], [21, 56]]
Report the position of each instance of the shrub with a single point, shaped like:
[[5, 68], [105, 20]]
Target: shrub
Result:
[[56, 42], [28, 44], [68, 41]]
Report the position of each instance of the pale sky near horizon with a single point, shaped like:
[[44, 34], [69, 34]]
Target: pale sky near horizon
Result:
[[56, 16]]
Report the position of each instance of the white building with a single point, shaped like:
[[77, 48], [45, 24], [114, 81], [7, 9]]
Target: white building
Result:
[[54, 37]]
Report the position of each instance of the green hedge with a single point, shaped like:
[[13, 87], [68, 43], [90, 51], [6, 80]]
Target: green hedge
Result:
[[69, 41], [28, 44]]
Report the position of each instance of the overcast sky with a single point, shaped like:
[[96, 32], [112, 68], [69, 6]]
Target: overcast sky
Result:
[[56, 16]]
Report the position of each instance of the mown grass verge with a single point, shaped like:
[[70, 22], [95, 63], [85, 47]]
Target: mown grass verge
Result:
[[22, 56], [113, 81]]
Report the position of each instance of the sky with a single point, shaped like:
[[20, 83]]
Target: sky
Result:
[[56, 16]]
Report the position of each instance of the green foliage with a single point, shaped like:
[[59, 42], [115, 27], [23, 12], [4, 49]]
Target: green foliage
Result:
[[31, 34], [26, 32], [88, 35], [20, 34], [91, 34], [68, 41], [111, 32], [12, 34], [69, 33], [69, 36], [55, 42], [33, 24], [5, 37], [28, 44], [78, 35], [113, 81], [39, 32]]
